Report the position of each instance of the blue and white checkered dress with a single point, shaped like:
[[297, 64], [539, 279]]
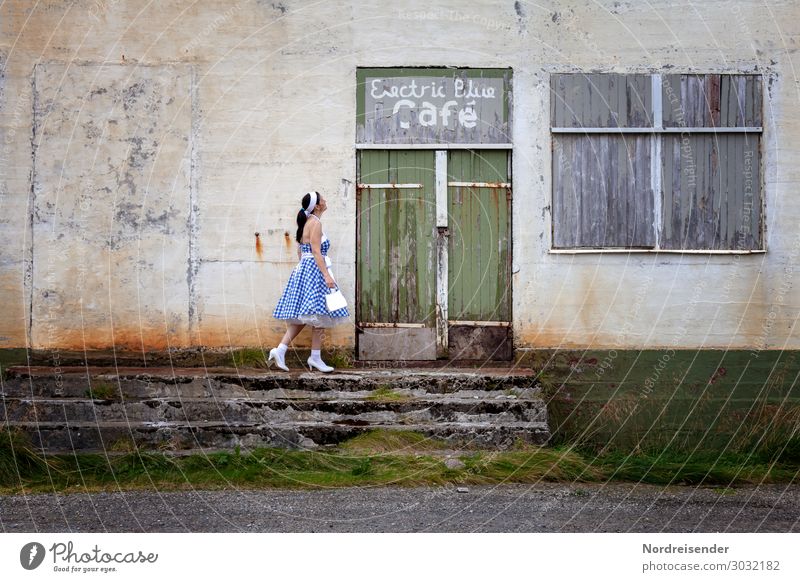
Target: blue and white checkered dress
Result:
[[303, 299]]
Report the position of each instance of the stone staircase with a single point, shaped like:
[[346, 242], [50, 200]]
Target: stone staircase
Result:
[[94, 409]]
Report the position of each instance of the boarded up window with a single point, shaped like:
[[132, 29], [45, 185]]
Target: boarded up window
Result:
[[604, 193], [645, 161], [710, 186], [711, 100], [601, 100]]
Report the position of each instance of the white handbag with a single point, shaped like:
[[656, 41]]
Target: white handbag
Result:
[[335, 300]]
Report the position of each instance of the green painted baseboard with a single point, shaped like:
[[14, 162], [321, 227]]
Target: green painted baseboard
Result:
[[681, 400]]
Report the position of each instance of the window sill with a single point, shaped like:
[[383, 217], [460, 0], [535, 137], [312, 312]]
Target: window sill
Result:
[[669, 251]]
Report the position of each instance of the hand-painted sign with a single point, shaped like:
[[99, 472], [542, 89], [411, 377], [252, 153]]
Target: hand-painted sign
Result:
[[433, 106]]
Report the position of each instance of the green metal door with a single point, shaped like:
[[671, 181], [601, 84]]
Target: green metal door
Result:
[[479, 255], [396, 274]]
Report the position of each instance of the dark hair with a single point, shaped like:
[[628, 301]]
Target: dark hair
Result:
[[301, 215]]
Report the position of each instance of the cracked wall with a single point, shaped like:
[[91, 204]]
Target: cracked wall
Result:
[[110, 205]]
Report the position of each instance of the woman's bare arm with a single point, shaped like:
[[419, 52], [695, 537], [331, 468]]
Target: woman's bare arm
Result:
[[316, 249]]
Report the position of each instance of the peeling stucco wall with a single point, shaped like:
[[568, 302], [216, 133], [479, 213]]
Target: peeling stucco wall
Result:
[[111, 183], [144, 144]]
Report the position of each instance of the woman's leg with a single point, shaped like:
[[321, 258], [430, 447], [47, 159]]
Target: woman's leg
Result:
[[317, 333], [291, 333], [278, 354]]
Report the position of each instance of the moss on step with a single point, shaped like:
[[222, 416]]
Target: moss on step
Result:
[[385, 393]]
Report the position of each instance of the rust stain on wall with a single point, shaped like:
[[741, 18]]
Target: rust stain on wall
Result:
[[132, 339], [269, 332], [259, 248]]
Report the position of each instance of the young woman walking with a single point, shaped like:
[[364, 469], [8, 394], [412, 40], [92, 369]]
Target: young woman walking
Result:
[[303, 300]]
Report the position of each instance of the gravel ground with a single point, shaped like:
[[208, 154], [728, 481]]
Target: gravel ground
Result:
[[508, 508]]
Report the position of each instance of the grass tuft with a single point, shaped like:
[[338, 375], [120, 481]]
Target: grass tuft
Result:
[[392, 441], [531, 465], [248, 358], [385, 393], [340, 358], [376, 458], [144, 463], [19, 460], [701, 468], [103, 391]]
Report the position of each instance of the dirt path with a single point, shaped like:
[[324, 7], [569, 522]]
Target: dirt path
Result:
[[510, 508]]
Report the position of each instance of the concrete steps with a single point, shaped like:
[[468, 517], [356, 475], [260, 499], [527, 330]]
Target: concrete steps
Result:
[[95, 409]]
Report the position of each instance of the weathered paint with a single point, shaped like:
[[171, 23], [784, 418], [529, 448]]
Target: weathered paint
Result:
[[708, 205], [691, 189], [480, 242], [396, 230], [479, 254], [111, 148], [431, 106], [442, 255], [683, 400], [712, 100], [602, 191], [274, 115], [601, 100], [398, 343], [470, 342]]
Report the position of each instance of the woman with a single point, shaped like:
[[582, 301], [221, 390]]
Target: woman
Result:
[[303, 299]]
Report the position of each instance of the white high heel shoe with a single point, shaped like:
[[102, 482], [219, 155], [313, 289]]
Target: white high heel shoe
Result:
[[321, 366], [275, 356]]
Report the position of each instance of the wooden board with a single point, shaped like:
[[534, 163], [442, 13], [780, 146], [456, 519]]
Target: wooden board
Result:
[[711, 192], [396, 238], [602, 191], [479, 245], [711, 100], [600, 100]]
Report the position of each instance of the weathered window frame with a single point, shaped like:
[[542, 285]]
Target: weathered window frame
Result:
[[658, 132]]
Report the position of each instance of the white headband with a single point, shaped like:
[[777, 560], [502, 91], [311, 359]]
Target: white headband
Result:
[[312, 203]]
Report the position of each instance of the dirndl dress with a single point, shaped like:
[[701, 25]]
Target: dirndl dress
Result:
[[303, 299]]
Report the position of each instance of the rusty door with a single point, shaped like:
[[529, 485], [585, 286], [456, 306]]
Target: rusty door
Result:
[[479, 255], [396, 272]]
